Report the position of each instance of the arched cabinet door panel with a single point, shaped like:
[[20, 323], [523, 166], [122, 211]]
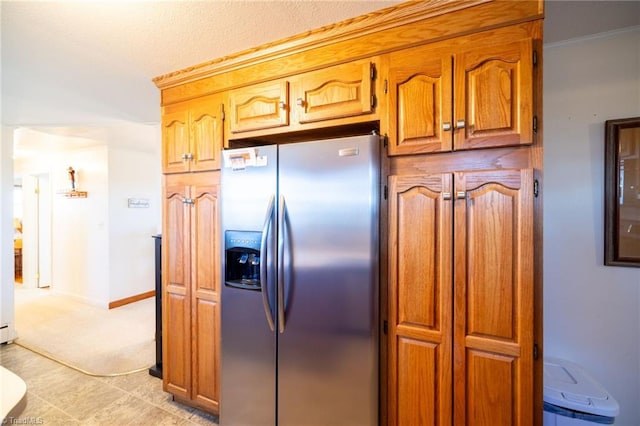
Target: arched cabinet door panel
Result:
[[259, 106], [420, 101], [420, 300], [494, 100], [335, 92], [493, 298]]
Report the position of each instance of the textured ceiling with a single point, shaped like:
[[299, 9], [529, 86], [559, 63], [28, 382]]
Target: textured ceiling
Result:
[[91, 63], [69, 66]]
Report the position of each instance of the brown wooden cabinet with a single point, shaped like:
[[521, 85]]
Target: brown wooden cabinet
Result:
[[260, 106], [420, 300], [193, 135], [461, 297], [449, 96], [191, 288], [462, 251], [340, 92]]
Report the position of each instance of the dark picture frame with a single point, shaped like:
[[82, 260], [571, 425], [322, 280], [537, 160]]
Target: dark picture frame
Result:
[[622, 192]]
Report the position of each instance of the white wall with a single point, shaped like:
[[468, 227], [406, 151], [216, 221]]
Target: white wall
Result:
[[80, 257], [131, 248], [591, 311], [7, 326], [7, 332]]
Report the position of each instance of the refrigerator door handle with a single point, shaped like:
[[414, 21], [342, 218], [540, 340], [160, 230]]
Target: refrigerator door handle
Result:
[[281, 232], [263, 263]]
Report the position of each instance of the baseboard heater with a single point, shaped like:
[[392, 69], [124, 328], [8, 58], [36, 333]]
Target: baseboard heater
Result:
[[4, 333]]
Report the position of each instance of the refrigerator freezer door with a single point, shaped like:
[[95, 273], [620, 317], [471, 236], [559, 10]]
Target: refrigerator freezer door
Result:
[[248, 380], [328, 347]]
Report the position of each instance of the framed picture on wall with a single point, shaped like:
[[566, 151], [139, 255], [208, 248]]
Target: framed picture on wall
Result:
[[622, 192]]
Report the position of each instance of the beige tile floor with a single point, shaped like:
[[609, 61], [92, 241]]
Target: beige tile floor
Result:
[[58, 395]]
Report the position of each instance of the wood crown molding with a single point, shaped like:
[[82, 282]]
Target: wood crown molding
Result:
[[394, 16]]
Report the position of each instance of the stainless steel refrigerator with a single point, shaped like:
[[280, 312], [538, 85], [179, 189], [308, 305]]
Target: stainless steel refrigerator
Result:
[[300, 295]]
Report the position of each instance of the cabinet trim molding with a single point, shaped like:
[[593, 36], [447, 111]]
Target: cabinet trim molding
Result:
[[494, 13]]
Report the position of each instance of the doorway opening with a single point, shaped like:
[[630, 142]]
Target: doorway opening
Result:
[[32, 211]]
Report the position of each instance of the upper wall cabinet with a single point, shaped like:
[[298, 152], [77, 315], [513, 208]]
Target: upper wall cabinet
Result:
[[495, 105], [261, 106], [420, 101], [340, 92], [193, 135], [336, 92], [455, 99]]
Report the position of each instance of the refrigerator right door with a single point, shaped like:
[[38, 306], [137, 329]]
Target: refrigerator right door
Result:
[[328, 323]]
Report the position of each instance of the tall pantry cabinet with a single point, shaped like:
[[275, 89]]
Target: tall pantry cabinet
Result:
[[461, 292], [461, 231], [192, 142]]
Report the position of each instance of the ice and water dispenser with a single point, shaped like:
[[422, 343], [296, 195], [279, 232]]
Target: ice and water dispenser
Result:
[[242, 251]]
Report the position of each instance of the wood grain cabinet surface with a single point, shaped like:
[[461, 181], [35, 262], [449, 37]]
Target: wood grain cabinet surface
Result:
[[191, 288], [420, 300], [451, 97], [456, 88], [193, 135], [461, 298], [259, 106], [340, 92]]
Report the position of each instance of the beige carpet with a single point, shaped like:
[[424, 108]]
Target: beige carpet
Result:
[[94, 340]]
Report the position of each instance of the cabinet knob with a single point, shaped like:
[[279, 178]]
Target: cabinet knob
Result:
[[282, 105], [189, 156], [446, 126], [446, 195], [299, 102], [461, 194], [460, 124], [184, 157], [188, 201]]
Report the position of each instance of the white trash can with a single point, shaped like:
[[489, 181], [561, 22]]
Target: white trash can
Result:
[[573, 398]]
